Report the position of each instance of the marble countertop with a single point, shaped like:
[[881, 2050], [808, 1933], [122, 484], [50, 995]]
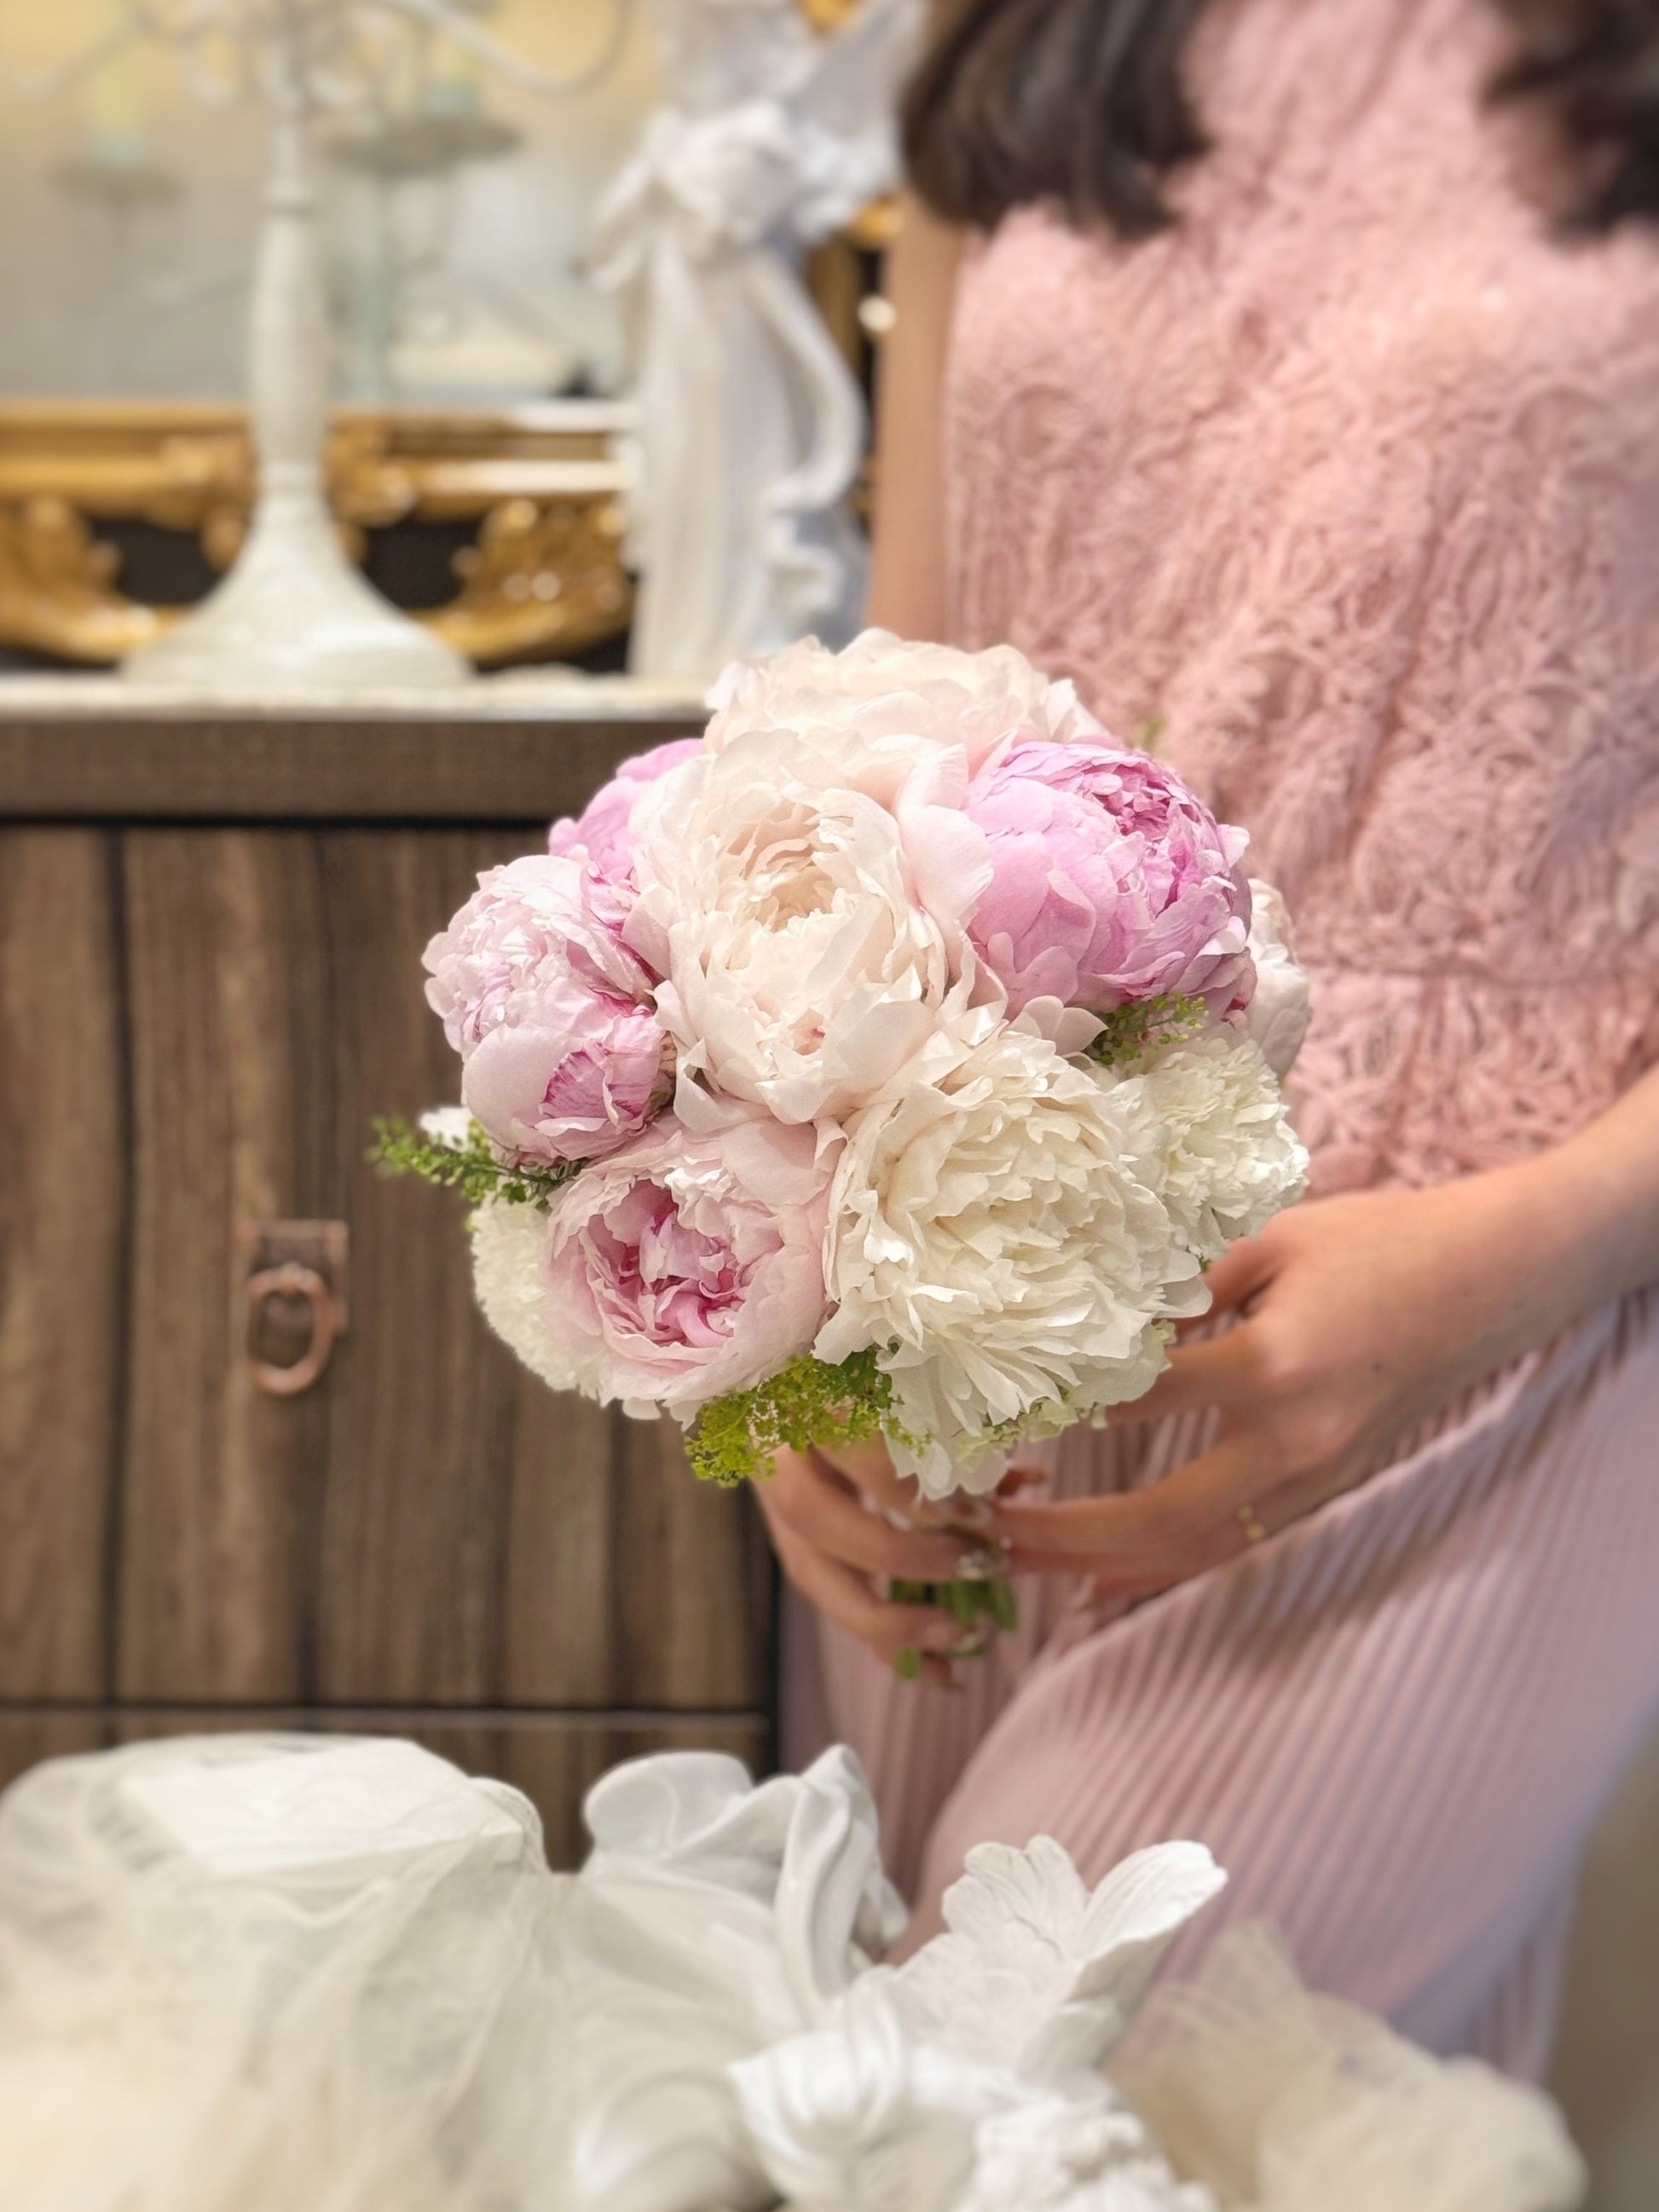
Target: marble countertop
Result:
[[557, 693]]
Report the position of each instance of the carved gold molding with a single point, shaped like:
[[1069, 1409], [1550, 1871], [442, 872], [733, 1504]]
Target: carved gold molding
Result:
[[539, 484]]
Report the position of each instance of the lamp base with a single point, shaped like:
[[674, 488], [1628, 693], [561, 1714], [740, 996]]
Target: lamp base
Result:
[[295, 615]]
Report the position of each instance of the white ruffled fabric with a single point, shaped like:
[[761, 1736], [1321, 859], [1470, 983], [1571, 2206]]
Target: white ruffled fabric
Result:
[[297, 1974], [267, 1974], [1281, 2100]]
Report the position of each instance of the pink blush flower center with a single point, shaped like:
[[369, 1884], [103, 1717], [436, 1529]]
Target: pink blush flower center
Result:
[[654, 1276]]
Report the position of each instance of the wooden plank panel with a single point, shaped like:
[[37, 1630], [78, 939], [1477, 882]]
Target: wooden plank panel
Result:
[[189, 762], [485, 1541], [603, 1503], [421, 1442], [62, 1226], [229, 1106], [553, 1757]]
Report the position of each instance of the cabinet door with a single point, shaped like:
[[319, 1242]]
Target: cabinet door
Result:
[[428, 1526], [63, 1232]]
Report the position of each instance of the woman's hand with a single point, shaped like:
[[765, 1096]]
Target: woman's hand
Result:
[[1359, 1318], [843, 1525]]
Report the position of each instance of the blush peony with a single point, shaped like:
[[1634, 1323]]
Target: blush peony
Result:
[[802, 968], [562, 1057], [576, 1074], [986, 1233], [528, 926], [600, 833], [878, 702], [668, 1274], [1109, 882]]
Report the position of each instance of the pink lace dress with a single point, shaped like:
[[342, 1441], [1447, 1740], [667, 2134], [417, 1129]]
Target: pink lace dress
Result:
[[1353, 479]]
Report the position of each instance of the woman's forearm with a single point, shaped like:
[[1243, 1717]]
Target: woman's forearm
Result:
[[1597, 1201], [907, 592]]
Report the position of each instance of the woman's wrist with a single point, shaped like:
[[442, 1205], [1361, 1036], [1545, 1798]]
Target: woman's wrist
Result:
[[1589, 1210]]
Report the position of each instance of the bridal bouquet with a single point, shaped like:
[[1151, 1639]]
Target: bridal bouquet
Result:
[[892, 1060]]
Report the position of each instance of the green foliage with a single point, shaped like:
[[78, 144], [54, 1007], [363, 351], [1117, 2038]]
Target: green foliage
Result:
[[989, 1602], [812, 1403], [1130, 1030], [474, 1168], [970, 1604], [809, 1402]]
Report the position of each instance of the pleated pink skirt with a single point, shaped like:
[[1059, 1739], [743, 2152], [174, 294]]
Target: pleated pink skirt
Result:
[[1394, 1722]]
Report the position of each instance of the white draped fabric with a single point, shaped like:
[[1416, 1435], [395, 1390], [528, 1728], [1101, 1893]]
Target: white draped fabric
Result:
[[303, 1974]]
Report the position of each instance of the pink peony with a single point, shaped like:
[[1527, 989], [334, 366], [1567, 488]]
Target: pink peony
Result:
[[1109, 882], [689, 1266], [573, 1075], [526, 928], [562, 1056], [600, 833]]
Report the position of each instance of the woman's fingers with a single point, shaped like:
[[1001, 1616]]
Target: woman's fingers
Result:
[[1244, 1269], [843, 1596], [1149, 1538], [815, 1503], [1205, 1514], [1222, 1370], [867, 1467]]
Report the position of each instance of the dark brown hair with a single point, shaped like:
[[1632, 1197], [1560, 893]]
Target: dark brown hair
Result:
[[1082, 102]]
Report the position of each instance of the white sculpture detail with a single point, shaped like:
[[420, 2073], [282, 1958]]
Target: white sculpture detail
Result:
[[751, 426], [246, 1974], [739, 2042]]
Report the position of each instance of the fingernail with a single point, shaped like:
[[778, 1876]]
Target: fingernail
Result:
[[945, 1637], [1084, 1598], [985, 1563]]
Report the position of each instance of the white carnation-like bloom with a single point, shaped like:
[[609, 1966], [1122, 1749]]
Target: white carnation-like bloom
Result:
[[803, 968], [509, 1276], [1277, 1016], [451, 1126], [881, 696], [987, 1233], [1204, 1126]]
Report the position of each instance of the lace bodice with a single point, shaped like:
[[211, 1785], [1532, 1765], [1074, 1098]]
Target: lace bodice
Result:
[[1352, 480]]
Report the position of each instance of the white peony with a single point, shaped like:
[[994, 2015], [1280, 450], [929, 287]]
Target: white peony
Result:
[[986, 1231], [1277, 1016], [803, 969], [882, 697], [509, 1276], [1205, 1127]]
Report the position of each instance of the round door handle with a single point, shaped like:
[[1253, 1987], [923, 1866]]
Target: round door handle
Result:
[[293, 1279]]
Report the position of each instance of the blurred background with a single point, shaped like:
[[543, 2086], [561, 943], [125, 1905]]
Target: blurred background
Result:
[[457, 218]]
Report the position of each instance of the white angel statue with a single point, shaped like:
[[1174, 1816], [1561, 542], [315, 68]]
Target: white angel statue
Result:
[[751, 425]]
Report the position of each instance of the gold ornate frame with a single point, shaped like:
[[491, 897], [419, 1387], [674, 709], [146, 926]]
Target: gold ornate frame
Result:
[[539, 484]]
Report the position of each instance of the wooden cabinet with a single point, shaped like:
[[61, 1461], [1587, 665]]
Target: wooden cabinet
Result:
[[209, 982]]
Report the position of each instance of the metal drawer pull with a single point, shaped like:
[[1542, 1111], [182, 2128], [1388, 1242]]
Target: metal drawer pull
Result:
[[293, 1279]]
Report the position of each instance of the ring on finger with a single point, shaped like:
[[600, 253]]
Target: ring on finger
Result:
[[1251, 1522]]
